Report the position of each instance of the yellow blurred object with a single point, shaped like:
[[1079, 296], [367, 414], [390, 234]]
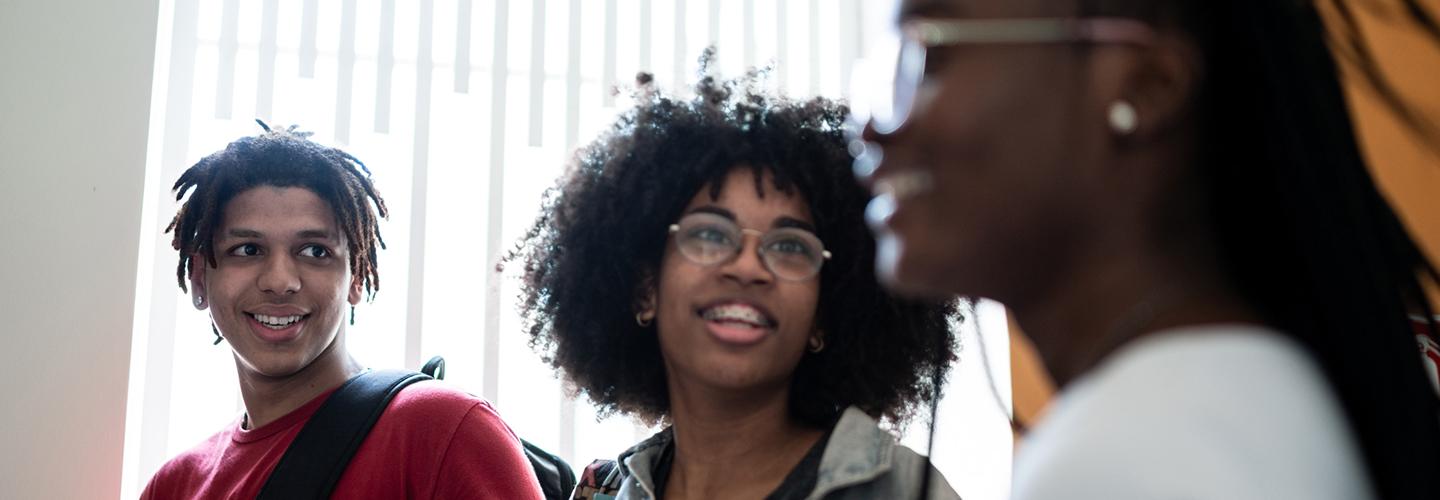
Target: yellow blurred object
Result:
[[1030, 384], [1406, 168]]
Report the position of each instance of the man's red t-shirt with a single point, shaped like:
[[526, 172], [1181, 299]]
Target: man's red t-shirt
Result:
[[433, 441]]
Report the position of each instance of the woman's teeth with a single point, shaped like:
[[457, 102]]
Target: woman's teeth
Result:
[[736, 313], [276, 322]]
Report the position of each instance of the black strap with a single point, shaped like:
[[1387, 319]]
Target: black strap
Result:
[[435, 368], [313, 463], [557, 480]]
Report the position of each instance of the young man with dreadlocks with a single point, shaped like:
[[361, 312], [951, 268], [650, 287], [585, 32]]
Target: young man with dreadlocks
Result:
[[278, 236]]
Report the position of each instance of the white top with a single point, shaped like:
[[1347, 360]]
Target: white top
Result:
[[1230, 412]]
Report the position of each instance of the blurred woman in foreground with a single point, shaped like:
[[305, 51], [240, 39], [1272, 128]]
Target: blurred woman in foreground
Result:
[[1169, 195]]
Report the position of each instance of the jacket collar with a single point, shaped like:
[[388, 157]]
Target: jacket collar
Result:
[[638, 462], [858, 451]]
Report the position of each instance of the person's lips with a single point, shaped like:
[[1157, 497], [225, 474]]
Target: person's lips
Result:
[[276, 324], [737, 322]]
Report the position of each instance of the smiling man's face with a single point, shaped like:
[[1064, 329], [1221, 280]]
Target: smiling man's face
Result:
[[282, 282]]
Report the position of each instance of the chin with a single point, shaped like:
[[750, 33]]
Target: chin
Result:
[[905, 273], [742, 382], [275, 366], [733, 374]]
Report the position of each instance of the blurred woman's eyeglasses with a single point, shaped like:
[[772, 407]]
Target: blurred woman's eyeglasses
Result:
[[888, 104]]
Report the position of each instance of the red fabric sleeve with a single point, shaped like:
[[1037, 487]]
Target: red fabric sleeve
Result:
[[485, 460]]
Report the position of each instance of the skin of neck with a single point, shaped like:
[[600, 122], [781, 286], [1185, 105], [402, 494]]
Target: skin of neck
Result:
[[1091, 313], [732, 444], [1133, 275], [269, 398]]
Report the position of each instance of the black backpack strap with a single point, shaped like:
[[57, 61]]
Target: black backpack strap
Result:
[[556, 478], [314, 462], [435, 368]]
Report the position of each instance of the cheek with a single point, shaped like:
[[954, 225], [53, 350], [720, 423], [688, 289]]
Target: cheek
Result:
[[672, 286], [978, 221], [334, 282], [967, 105], [1001, 108], [801, 301], [923, 266], [998, 243], [222, 288]]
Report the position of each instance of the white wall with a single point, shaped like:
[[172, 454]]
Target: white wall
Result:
[[75, 83]]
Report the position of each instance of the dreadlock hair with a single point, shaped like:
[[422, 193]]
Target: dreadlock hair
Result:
[[600, 237], [1303, 231], [280, 158]]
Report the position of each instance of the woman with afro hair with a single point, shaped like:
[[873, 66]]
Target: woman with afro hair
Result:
[[705, 264]]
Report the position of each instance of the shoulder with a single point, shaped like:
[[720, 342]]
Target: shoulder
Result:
[[861, 460], [204, 451], [1213, 412], [435, 420], [192, 465], [432, 396], [1234, 379], [904, 478], [908, 476], [448, 443], [436, 406], [1243, 377]]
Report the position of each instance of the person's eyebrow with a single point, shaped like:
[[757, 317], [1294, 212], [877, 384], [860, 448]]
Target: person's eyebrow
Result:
[[243, 233], [315, 234], [792, 222], [305, 234], [782, 221], [711, 209]]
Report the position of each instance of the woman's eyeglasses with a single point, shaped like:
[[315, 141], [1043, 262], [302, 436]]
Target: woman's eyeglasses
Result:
[[790, 253], [892, 102]]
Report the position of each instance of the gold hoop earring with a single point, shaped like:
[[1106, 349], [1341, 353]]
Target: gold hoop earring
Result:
[[817, 343], [644, 319]]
